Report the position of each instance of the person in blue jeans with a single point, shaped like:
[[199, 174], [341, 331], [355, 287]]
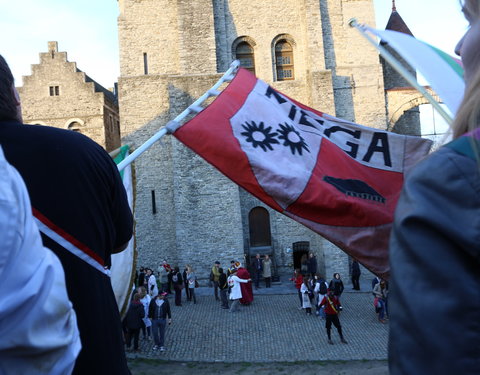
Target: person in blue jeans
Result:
[[160, 314], [380, 292]]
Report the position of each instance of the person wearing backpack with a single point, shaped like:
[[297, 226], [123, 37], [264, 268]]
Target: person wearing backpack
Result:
[[332, 310], [321, 288]]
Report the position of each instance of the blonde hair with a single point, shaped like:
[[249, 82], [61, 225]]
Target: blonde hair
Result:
[[468, 115]]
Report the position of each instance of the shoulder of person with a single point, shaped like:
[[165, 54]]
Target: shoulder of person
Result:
[[441, 166]]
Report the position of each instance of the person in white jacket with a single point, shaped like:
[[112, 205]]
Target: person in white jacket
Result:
[[38, 326], [152, 284], [235, 290]]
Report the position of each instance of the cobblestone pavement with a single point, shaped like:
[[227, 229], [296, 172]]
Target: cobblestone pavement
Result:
[[271, 329]]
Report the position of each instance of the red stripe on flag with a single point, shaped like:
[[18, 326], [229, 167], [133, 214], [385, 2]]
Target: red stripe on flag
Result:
[[84, 248], [320, 198], [200, 135]]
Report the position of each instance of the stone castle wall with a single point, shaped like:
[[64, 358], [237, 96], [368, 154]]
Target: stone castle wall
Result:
[[201, 216]]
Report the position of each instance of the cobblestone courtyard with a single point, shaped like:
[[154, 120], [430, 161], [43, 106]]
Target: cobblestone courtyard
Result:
[[271, 329]]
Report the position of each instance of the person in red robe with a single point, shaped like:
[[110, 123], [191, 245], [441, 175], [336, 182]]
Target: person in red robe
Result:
[[247, 293]]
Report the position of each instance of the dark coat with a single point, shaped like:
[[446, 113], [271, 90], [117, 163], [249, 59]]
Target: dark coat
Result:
[[179, 278], [222, 281], [312, 265], [135, 314], [435, 248], [164, 309], [337, 286], [355, 269], [141, 279], [257, 265]]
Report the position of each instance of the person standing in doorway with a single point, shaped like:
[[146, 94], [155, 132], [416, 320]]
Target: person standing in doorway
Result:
[[312, 265], [257, 268], [267, 271]]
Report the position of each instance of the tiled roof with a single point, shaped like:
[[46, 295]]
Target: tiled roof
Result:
[[396, 23]]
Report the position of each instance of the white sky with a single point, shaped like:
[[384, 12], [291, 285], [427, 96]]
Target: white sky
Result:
[[87, 30]]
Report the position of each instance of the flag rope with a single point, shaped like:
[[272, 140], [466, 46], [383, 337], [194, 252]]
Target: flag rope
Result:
[[401, 70], [194, 107]]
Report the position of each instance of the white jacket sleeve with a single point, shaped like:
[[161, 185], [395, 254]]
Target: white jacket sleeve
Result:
[[38, 326]]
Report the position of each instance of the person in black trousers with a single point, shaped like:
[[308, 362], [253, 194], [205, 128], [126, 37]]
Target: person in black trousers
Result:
[[185, 283], [177, 281], [356, 275], [223, 286], [258, 268], [133, 322]]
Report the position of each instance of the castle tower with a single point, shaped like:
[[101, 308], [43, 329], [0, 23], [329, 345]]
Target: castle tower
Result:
[[171, 51], [395, 84]]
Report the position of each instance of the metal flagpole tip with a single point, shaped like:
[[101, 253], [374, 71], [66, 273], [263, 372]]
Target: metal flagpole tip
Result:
[[352, 22]]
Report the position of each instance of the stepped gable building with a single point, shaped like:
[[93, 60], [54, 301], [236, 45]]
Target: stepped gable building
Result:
[[171, 52], [58, 94]]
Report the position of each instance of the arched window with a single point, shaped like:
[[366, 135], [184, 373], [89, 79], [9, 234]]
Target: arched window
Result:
[[259, 225], [74, 126], [244, 53], [284, 60]]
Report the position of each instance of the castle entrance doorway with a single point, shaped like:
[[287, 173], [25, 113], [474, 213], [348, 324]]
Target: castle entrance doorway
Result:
[[300, 252]]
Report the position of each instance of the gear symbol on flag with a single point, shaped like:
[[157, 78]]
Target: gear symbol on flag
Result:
[[292, 138], [259, 135]]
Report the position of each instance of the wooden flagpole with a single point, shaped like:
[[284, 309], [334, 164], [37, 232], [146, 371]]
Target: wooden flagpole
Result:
[[194, 107]]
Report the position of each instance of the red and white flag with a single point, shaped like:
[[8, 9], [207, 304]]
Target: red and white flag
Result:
[[340, 179]]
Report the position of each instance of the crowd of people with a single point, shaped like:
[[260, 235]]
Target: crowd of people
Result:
[[231, 288], [155, 314]]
